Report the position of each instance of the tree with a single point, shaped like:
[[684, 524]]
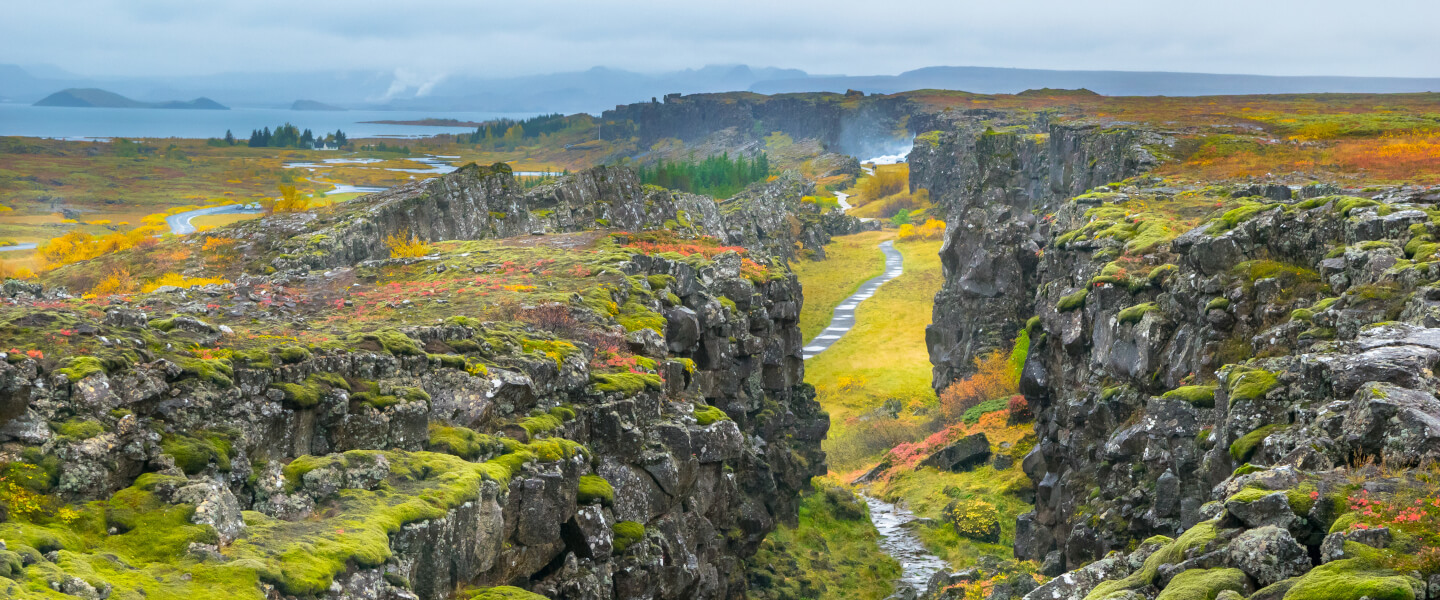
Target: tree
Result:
[[307, 139], [229, 138]]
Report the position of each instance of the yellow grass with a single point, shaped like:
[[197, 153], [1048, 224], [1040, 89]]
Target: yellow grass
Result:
[[850, 261], [882, 357], [218, 220]]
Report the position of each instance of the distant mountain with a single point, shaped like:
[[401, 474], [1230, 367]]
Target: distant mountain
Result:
[[313, 105], [991, 80], [98, 98]]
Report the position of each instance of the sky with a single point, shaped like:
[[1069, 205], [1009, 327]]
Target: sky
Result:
[[425, 39]]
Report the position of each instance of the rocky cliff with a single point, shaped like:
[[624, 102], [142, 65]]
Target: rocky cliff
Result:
[[993, 185], [478, 202], [1232, 383], [849, 123], [583, 415]]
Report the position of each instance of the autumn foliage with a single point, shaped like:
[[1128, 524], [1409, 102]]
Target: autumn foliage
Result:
[[995, 377], [406, 245], [932, 229]]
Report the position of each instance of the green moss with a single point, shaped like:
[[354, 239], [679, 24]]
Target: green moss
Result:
[[461, 441], [540, 424], [594, 487], [705, 415], [635, 316], [1203, 584], [504, 592], [1246, 469], [292, 354], [1218, 304], [302, 557], [1202, 396], [79, 428], [660, 281], [626, 383], [80, 367], [1137, 312], [1244, 447], [216, 371], [1234, 217], [1032, 324], [1250, 384], [1110, 392], [972, 415], [165, 325], [256, 359], [193, 453], [728, 304], [1148, 574], [1353, 579], [626, 534], [301, 395], [1072, 301], [391, 341], [1349, 203], [1302, 314], [452, 361]]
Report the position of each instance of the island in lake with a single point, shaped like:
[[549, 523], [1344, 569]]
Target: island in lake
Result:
[[98, 98], [314, 105]]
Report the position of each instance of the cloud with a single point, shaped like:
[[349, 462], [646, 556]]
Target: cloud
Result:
[[419, 39]]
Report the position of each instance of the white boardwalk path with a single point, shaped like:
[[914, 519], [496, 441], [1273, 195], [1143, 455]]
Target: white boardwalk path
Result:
[[844, 317], [916, 563]]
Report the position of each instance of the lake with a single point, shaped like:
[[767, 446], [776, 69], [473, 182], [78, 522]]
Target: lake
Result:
[[86, 123]]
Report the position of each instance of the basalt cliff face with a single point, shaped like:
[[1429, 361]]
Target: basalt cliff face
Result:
[[849, 123], [580, 415], [487, 202], [1214, 369], [992, 185]]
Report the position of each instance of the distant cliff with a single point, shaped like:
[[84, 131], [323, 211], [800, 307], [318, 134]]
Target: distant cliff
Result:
[[98, 98]]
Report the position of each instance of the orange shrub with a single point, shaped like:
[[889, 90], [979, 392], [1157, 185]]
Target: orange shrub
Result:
[[993, 378], [932, 229]]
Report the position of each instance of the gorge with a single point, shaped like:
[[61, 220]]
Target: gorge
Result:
[[1220, 316]]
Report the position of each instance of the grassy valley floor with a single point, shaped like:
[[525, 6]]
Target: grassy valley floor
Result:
[[875, 383]]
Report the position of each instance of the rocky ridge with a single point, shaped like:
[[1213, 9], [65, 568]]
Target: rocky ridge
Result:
[[583, 415], [1232, 383]]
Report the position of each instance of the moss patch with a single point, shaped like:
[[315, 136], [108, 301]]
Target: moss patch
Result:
[[594, 487], [626, 534], [705, 415], [1202, 396], [1245, 447], [1203, 584]]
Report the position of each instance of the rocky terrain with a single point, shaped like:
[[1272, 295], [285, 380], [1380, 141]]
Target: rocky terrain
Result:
[[540, 401], [1232, 382]]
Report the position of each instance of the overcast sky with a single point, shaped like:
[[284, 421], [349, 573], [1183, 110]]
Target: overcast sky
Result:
[[430, 38]]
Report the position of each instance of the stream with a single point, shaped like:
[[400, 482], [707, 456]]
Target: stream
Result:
[[893, 522]]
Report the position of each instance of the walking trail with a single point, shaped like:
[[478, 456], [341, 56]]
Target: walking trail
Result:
[[917, 564]]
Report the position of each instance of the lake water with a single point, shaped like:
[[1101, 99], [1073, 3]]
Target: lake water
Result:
[[85, 123]]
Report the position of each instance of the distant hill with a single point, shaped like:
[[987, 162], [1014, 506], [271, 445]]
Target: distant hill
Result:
[[992, 80], [313, 105], [98, 98]]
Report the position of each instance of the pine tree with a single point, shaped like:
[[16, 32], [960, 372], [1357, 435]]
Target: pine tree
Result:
[[229, 138]]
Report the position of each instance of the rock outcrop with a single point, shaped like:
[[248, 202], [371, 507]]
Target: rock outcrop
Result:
[[478, 202], [568, 413], [1209, 385]]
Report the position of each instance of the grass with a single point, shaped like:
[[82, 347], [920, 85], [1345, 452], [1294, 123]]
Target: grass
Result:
[[927, 491], [850, 260], [831, 553], [852, 378]]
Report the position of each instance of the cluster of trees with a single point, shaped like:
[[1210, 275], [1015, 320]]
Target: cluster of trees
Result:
[[284, 136], [718, 176]]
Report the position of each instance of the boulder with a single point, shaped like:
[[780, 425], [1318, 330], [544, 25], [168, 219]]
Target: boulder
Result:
[[1268, 554], [961, 455]]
